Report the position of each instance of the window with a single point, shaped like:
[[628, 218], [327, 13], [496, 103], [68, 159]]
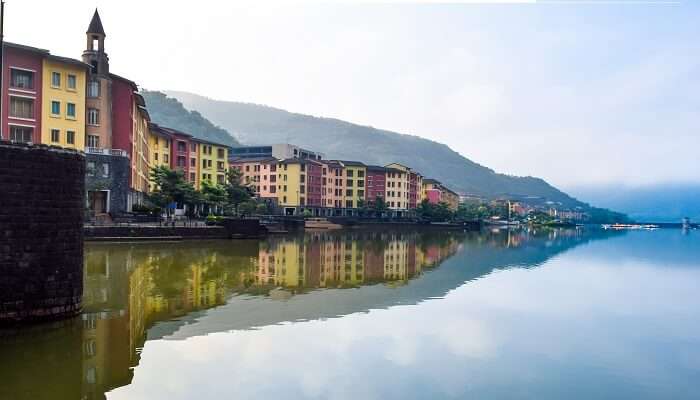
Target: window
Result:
[[193, 177], [221, 153], [21, 79], [181, 147], [70, 110], [55, 79], [361, 193], [94, 65], [361, 183], [93, 141], [55, 135], [91, 168], [204, 163], [55, 107], [105, 170], [349, 183], [93, 116], [350, 173], [166, 158], [155, 156], [21, 107], [71, 82], [360, 174], [21, 134], [93, 89], [348, 203], [302, 189], [194, 146], [70, 137]]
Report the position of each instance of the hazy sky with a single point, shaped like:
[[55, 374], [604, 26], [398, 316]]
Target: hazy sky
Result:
[[574, 92]]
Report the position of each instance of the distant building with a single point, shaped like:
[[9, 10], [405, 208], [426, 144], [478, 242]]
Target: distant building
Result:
[[279, 151], [435, 192]]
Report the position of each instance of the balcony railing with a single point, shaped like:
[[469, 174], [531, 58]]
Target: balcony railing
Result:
[[107, 152]]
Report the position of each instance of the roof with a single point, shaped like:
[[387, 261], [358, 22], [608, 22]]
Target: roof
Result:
[[431, 180], [68, 61], [377, 168], [25, 48], [252, 159], [96, 25], [129, 81], [352, 163]]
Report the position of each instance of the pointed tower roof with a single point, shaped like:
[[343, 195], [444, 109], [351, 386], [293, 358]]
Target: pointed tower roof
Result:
[[96, 24]]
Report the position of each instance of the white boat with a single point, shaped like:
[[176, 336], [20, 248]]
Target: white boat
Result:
[[320, 223]]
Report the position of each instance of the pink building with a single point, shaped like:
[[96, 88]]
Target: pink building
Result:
[[260, 174], [21, 93]]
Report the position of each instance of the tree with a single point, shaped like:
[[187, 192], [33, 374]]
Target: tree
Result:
[[213, 195], [171, 187], [236, 192], [248, 207], [379, 205]]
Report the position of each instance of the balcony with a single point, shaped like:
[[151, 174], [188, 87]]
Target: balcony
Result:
[[106, 152]]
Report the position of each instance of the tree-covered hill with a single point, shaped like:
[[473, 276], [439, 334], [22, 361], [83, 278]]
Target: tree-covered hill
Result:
[[168, 112]]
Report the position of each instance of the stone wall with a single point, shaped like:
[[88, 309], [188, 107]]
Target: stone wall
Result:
[[42, 202], [114, 177]]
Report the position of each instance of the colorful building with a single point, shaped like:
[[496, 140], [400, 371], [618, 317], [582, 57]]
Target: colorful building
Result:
[[43, 99], [63, 108], [299, 186], [259, 174], [376, 184], [116, 128], [435, 192], [281, 151]]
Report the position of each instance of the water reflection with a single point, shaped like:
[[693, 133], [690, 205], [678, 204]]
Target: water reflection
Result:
[[139, 292]]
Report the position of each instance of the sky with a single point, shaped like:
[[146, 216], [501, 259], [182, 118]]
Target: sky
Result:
[[581, 93]]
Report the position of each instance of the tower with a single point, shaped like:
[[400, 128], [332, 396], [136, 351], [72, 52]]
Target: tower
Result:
[[94, 53]]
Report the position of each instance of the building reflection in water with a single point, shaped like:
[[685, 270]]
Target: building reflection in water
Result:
[[129, 288]]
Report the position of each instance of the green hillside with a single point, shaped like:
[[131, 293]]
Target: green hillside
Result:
[[256, 124], [169, 112]]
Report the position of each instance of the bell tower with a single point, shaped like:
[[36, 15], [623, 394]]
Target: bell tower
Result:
[[95, 50]]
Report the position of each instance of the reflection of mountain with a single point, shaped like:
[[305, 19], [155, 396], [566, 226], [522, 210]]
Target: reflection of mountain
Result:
[[135, 292]]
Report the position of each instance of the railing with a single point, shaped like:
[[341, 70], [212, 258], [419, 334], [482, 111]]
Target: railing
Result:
[[107, 152]]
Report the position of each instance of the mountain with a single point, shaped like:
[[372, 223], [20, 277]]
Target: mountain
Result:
[[653, 203], [171, 113], [257, 124]]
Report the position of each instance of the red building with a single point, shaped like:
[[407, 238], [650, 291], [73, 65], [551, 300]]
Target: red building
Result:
[[314, 182], [376, 183], [415, 187], [21, 93]]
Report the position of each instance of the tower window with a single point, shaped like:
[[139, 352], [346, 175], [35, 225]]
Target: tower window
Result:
[[95, 42], [94, 88], [94, 66]]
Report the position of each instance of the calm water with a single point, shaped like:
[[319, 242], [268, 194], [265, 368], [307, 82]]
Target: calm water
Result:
[[376, 315]]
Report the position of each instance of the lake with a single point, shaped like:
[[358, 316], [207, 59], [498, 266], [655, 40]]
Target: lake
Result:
[[526, 314]]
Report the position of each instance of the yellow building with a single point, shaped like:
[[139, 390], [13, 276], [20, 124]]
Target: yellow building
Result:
[[355, 173], [140, 152], [63, 98], [396, 188], [289, 183], [213, 162], [160, 144]]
